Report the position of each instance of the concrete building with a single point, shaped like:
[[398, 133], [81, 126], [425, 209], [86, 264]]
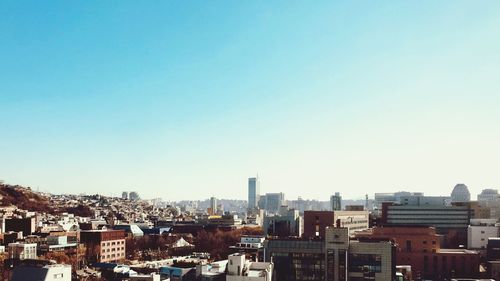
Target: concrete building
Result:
[[286, 223], [460, 193], [133, 195], [26, 225], [125, 195], [391, 197], [132, 230], [215, 271], [58, 243], [450, 221], [315, 222], [334, 258], [274, 201], [420, 247], [250, 245], [253, 193], [22, 251], [53, 272], [241, 269], [493, 249], [488, 195], [336, 202], [104, 245], [479, 231]]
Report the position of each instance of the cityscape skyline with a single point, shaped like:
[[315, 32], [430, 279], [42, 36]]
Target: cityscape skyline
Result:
[[331, 97]]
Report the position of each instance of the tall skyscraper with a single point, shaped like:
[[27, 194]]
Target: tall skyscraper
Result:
[[253, 192], [213, 205], [336, 202]]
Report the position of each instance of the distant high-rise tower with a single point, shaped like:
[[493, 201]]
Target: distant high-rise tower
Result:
[[125, 195], [133, 196], [274, 201], [253, 192], [460, 193], [213, 205], [336, 202]]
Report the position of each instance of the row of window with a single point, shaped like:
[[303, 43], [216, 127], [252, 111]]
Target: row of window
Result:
[[113, 243], [113, 249]]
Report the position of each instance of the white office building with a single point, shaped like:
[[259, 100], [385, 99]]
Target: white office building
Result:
[[479, 231], [241, 269]]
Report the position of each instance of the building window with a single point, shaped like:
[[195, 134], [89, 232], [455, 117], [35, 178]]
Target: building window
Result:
[[408, 245]]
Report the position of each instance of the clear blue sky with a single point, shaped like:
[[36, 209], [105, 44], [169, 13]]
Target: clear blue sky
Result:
[[186, 99]]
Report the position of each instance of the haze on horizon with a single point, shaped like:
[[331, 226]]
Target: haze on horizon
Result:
[[186, 100]]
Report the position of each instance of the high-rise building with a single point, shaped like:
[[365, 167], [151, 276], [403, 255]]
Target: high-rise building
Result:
[[460, 193], [213, 205], [488, 195], [133, 196], [336, 202], [253, 192], [125, 195], [274, 201]]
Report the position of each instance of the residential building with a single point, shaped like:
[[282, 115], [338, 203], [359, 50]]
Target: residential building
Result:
[[132, 230], [104, 245], [22, 251], [315, 222], [58, 243]]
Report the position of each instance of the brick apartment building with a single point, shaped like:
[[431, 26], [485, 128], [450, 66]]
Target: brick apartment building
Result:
[[104, 245]]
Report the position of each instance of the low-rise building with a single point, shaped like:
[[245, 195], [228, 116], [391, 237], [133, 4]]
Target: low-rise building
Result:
[[241, 269], [104, 245], [479, 231], [22, 251], [420, 247], [315, 222], [53, 272]]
